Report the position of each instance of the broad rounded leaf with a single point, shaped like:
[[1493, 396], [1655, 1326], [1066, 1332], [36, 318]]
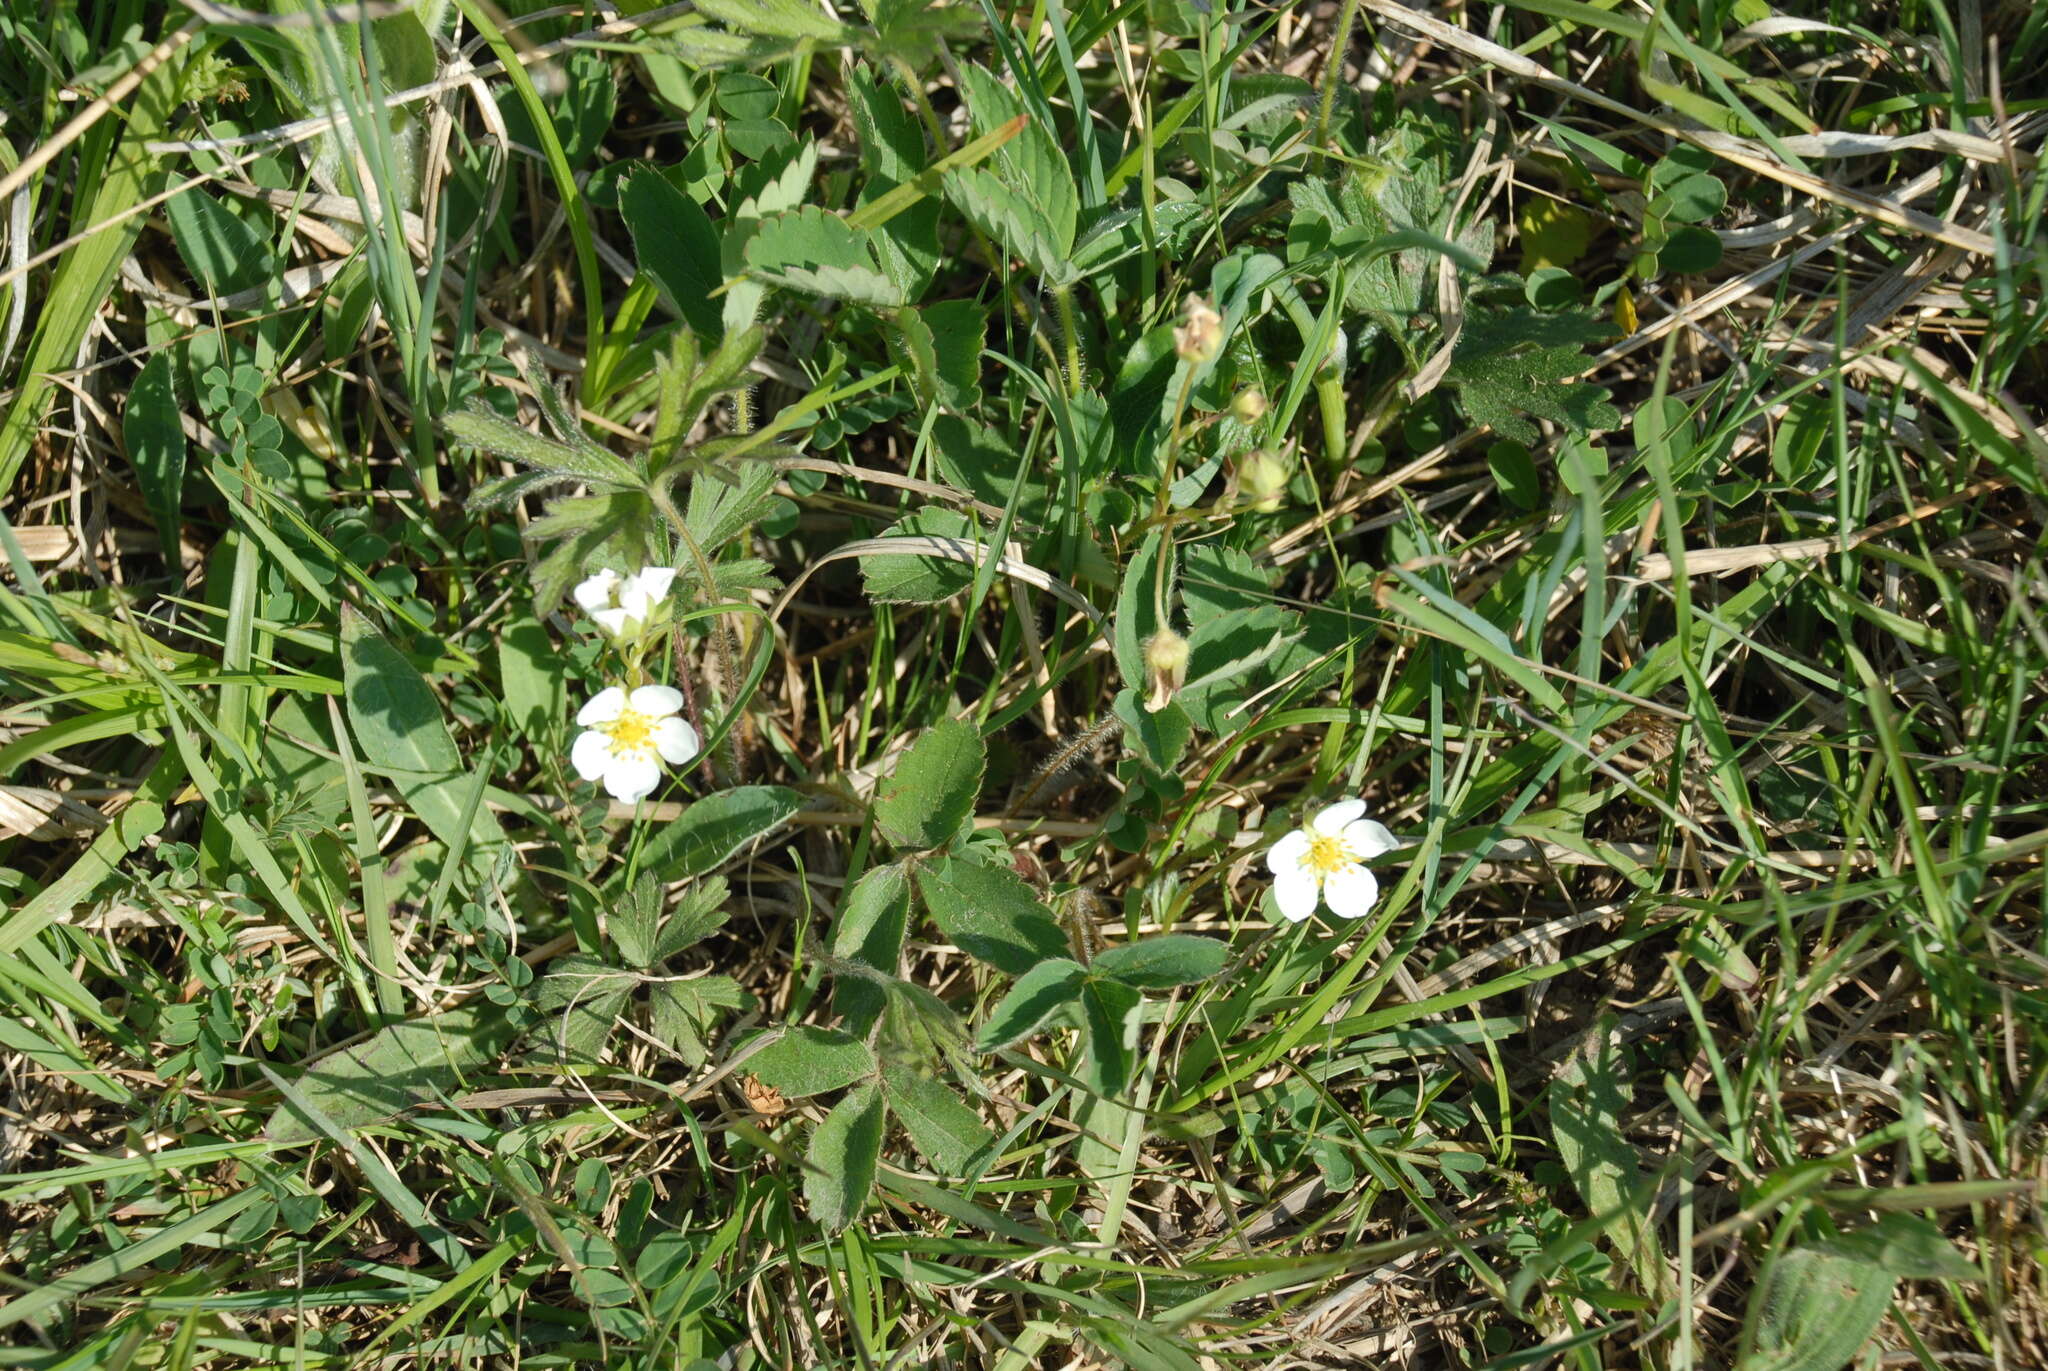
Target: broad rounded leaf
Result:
[[710, 831], [839, 1165], [396, 1068], [810, 1061], [1167, 960], [991, 914], [933, 790], [943, 1128], [1038, 994]]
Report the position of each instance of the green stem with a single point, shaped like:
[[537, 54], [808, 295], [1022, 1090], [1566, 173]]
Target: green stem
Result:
[[1063, 296], [1334, 71], [1330, 399]]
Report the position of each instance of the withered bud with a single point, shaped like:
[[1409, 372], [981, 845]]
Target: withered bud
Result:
[[1166, 657], [1200, 336]]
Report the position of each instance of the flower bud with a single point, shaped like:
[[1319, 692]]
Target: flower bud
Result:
[[1200, 336], [1262, 479], [1166, 657], [1249, 406]]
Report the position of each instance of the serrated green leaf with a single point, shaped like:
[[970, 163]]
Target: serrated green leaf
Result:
[[400, 731], [697, 915], [812, 250], [398, 1067], [491, 432], [991, 914], [870, 931], [225, 254], [804, 1060], [635, 919], [839, 1165], [1013, 219], [1038, 994], [932, 793], [709, 832], [1163, 961], [155, 438], [579, 1000], [915, 578], [681, 1012], [1816, 1311], [1158, 736], [677, 245], [944, 1130], [1514, 362]]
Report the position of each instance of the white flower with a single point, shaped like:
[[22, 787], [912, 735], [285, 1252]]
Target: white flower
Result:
[[623, 604], [627, 737], [1326, 861]]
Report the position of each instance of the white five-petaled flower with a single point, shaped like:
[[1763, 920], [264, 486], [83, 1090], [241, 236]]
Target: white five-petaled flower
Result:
[[623, 604], [627, 737], [1325, 860]]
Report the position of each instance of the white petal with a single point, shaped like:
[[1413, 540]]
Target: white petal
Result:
[[1294, 891], [612, 621], [1331, 819], [604, 707], [1350, 892], [657, 700], [590, 754], [675, 740], [632, 777], [1368, 838], [595, 592], [636, 602], [655, 580], [1285, 855]]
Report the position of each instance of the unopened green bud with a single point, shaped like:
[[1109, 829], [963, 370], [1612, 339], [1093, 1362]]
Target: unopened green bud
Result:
[[1250, 405], [1262, 479]]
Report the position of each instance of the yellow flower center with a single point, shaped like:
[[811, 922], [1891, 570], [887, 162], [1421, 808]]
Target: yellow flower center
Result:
[[632, 731], [1327, 854]]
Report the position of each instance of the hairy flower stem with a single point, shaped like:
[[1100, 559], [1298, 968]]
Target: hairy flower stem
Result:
[[1063, 296], [1333, 71], [724, 675]]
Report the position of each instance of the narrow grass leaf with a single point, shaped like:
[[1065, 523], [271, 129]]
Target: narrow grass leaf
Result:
[[125, 1261]]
